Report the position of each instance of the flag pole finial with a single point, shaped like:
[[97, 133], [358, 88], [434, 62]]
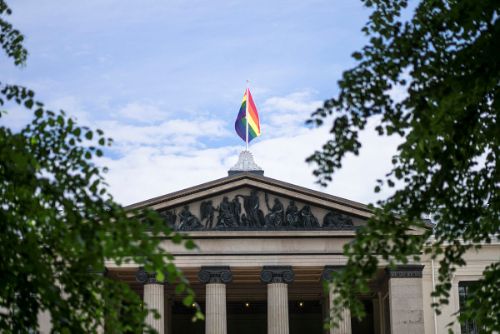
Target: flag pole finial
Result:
[[245, 164]]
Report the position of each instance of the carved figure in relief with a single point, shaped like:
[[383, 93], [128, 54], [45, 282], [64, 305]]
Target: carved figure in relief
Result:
[[337, 220], [292, 215], [244, 220], [207, 211], [170, 218], [276, 215], [187, 221], [254, 215], [307, 218], [226, 216], [236, 209]]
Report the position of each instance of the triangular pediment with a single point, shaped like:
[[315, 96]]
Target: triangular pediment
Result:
[[253, 202]]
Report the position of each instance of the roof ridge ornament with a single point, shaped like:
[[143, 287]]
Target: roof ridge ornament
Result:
[[245, 164]]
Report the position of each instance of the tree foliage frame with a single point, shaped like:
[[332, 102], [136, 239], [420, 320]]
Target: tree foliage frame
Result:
[[59, 225], [445, 57]]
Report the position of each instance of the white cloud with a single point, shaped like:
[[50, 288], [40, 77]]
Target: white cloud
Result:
[[172, 132], [144, 113], [17, 117], [145, 172], [148, 172], [155, 159], [286, 114], [284, 159], [73, 107], [298, 102]]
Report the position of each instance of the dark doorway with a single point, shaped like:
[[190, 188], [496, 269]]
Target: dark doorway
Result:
[[305, 317], [247, 317], [182, 322], [366, 325], [251, 318]]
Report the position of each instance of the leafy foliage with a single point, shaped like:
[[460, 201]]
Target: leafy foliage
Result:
[[11, 39], [445, 58], [59, 225]]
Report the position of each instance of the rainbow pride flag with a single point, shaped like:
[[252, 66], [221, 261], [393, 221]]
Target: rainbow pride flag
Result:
[[248, 111]]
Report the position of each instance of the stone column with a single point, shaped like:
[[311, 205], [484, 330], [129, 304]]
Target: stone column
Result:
[[154, 299], [277, 279], [344, 325], [406, 306], [215, 279]]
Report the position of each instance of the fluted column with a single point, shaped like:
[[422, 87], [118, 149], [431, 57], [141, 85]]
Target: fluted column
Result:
[[215, 279], [277, 279], [344, 324], [154, 299]]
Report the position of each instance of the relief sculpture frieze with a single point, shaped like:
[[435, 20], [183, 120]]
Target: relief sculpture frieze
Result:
[[188, 221], [246, 212]]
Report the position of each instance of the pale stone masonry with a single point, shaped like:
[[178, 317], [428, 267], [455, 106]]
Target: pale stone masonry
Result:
[[216, 320], [263, 248], [406, 304], [277, 308], [154, 299], [215, 279], [277, 280], [344, 325]]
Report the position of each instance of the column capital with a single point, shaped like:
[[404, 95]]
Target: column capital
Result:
[[277, 274], [329, 270], [215, 274], [405, 271], [142, 276]]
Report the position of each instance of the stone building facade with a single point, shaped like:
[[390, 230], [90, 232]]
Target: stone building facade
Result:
[[265, 249]]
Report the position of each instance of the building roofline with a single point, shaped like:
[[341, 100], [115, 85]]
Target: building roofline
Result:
[[259, 178], [251, 176]]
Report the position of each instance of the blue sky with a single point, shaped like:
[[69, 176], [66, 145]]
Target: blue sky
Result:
[[165, 80]]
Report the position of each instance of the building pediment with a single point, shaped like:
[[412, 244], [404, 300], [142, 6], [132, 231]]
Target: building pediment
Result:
[[251, 202]]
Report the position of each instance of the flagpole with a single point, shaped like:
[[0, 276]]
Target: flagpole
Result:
[[246, 116]]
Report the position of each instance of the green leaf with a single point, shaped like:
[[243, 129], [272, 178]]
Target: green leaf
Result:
[[188, 300], [28, 103], [189, 244], [177, 238], [357, 55], [160, 276]]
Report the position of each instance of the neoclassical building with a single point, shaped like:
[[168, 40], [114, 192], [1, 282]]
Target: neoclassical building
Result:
[[265, 249]]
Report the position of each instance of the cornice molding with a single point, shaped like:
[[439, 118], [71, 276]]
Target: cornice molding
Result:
[[405, 271]]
